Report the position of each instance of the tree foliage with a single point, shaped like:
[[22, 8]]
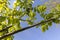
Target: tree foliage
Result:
[[13, 16]]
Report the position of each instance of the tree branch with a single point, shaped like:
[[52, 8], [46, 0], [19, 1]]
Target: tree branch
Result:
[[25, 20], [11, 25], [8, 34]]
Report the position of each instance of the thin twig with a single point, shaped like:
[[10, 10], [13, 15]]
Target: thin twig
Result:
[[11, 26], [25, 20]]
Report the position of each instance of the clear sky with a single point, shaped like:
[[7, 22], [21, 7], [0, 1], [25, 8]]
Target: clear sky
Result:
[[35, 33]]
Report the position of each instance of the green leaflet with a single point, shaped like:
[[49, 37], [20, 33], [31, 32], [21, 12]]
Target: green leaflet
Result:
[[57, 21], [35, 9], [16, 25], [30, 23], [44, 27], [15, 21], [32, 14], [9, 38], [48, 16], [58, 7], [14, 28], [10, 20], [29, 1], [11, 29], [49, 23], [41, 8], [2, 18]]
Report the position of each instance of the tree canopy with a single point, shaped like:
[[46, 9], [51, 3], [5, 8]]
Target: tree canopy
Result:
[[10, 18]]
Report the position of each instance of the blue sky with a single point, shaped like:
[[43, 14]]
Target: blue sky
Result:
[[35, 33]]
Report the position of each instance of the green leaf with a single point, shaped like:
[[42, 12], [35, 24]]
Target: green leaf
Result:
[[2, 18], [17, 27], [9, 38], [29, 1], [48, 16], [32, 14], [50, 23], [56, 21], [41, 8], [44, 27], [35, 9], [15, 21], [11, 29], [30, 23]]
